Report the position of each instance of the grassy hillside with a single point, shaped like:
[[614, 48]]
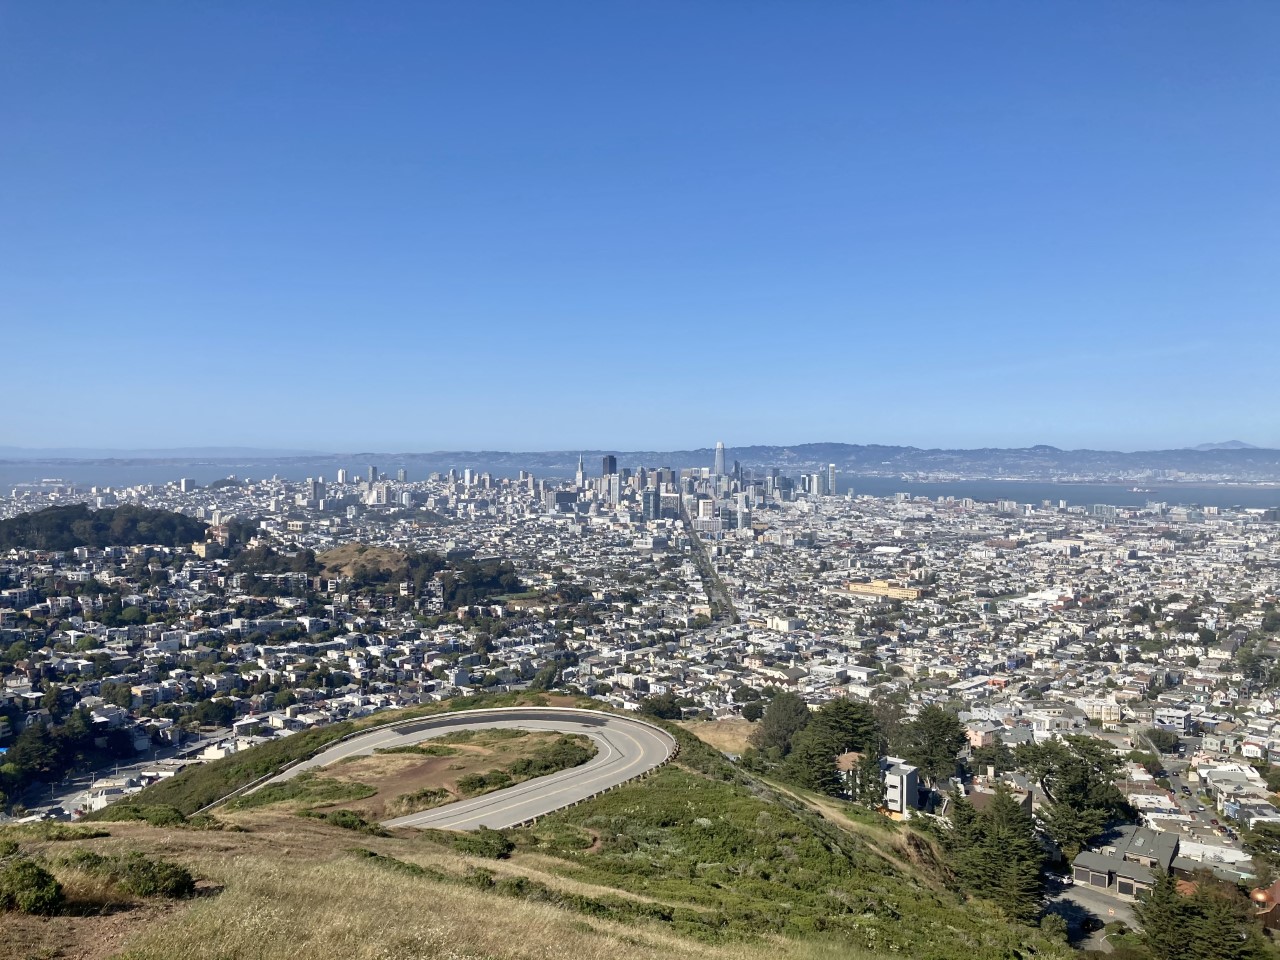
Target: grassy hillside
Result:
[[699, 860]]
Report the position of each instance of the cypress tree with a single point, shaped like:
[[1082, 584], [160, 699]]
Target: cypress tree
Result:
[[1165, 919]]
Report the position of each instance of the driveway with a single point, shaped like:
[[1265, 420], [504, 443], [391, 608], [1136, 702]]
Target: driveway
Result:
[[1078, 903]]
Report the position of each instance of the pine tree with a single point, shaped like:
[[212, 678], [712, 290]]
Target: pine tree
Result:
[[1165, 918], [869, 781], [1014, 854], [812, 761], [1219, 928]]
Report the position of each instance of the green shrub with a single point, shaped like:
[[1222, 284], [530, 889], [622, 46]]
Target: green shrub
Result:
[[8, 848], [490, 844], [29, 887], [348, 820], [135, 874], [474, 783], [144, 877]]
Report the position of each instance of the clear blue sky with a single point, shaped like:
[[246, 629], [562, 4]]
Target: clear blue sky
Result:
[[424, 225]]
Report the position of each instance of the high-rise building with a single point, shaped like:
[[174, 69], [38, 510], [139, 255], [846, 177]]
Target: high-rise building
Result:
[[651, 504], [609, 465], [402, 475], [580, 479], [373, 474], [718, 470], [186, 485], [342, 475], [831, 479]]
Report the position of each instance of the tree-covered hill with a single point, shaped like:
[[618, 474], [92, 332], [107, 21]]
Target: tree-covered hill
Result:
[[65, 528]]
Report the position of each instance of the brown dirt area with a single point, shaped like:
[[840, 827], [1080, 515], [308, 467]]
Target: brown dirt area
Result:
[[727, 736]]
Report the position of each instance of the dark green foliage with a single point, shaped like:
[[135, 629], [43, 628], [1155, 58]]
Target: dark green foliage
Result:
[[837, 727], [45, 753], [561, 754], [1213, 923], [932, 741], [401, 866], [1076, 775], [421, 749], [996, 754], [785, 716], [867, 788], [995, 854], [545, 679], [348, 820], [476, 783], [663, 706], [28, 887], [471, 582], [491, 844], [752, 711], [65, 528], [135, 874], [158, 815]]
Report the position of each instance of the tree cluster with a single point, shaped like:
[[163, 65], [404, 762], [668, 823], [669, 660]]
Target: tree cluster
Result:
[[1212, 923], [1076, 774], [68, 527], [995, 854]]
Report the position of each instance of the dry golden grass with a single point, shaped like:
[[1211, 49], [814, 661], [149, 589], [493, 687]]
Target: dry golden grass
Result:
[[347, 558], [354, 909], [727, 736]]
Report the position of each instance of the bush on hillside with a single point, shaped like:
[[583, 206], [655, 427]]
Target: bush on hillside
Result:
[[29, 887]]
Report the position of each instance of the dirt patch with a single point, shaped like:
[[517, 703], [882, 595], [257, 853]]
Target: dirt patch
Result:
[[77, 937], [727, 736], [349, 557]]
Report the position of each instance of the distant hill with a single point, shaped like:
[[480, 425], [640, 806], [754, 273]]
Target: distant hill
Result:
[[65, 528], [1225, 445], [1232, 461], [106, 453]]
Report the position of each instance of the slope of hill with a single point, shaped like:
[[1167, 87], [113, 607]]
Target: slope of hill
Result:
[[698, 860]]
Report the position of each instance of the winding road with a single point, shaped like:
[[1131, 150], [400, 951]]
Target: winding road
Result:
[[626, 748]]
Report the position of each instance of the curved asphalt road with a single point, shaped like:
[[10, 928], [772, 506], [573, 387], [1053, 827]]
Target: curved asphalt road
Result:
[[625, 748]]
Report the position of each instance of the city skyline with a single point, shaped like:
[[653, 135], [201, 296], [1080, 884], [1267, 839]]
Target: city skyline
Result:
[[433, 227]]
